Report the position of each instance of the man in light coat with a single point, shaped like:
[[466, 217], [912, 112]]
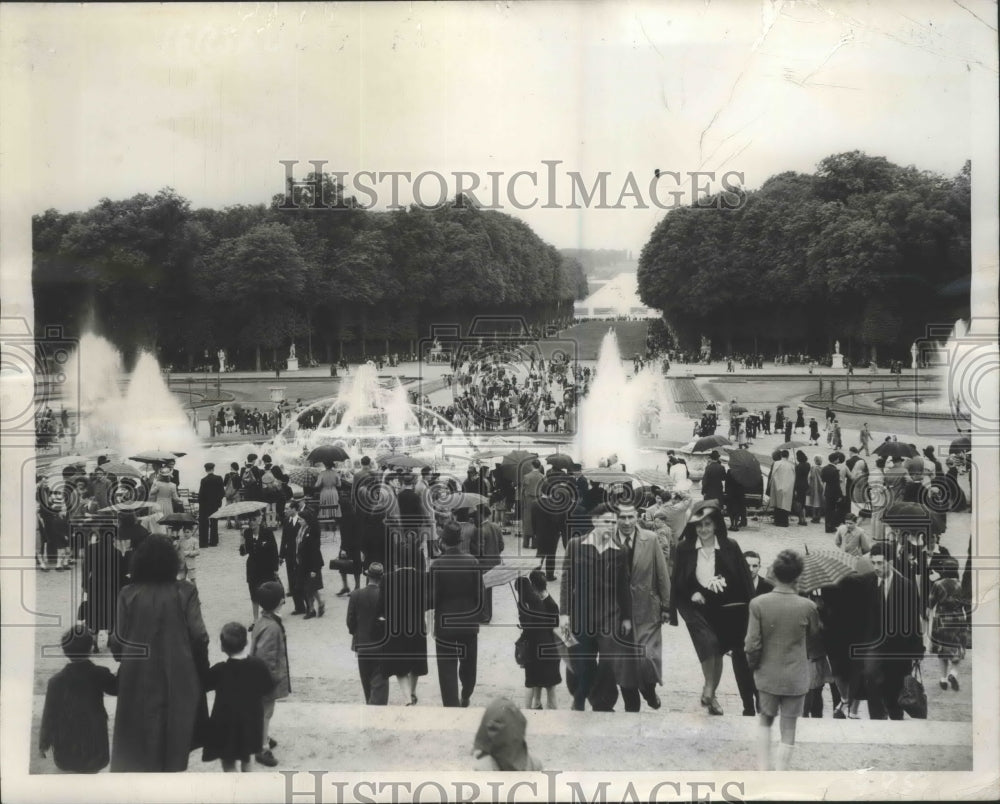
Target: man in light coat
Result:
[[649, 581], [782, 488], [529, 501]]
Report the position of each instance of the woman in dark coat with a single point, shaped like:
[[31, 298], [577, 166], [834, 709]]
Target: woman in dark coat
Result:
[[736, 505], [162, 645], [711, 587], [595, 601], [800, 489], [102, 579], [404, 600], [261, 549], [556, 499], [350, 539]]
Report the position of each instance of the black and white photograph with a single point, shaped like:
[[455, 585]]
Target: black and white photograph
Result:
[[510, 401]]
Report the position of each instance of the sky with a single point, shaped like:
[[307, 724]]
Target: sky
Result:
[[207, 99]]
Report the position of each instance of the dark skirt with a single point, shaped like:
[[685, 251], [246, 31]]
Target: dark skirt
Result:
[[542, 665], [715, 630], [404, 654]]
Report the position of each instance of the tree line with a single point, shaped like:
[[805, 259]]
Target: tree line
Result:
[[861, 251], [150, 272]]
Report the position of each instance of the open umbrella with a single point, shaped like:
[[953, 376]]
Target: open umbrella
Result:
[[504, 573], [560, 460], [790, 445], [737, 409], [496, 452], [400, 461], [69, 460], [241, 508], [823, 568], [711, 442], [460, 500], [303, 475], [327, 453], [104, 452], [746, 469], [604, 475], [516, 463], [120, 469], [134, 507], [895, 449], [907, 514], [156, 456], [654, 477], [177, 520], [960, 445]]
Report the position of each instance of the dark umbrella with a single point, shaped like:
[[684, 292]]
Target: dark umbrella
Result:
[[178, 520], [711, 442], [605, 475], [399, 461], [895, 449], [746, 469], [960, 445], [156, 456], [737, 409], [120, 469], [906, 514], [514, 461], [327, 453], [790, 445], [560, 460]]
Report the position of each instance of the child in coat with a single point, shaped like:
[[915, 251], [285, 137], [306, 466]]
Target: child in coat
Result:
[[270, 646], [240, 684], [780, 626], [74, 720], [538, 614], [852, 539], [188, 549]]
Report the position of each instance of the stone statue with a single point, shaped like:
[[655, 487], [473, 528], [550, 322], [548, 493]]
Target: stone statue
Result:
[[291, 352], [913, 355], [221, 354], [836, 347]]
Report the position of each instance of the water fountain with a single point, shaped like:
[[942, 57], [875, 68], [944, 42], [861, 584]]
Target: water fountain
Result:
[[367, 418]]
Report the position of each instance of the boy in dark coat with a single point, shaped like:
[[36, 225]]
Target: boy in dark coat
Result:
[[74, 720]]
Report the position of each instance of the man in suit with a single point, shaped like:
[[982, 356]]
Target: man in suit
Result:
[[741, 670], [295, 523], [830, 475], [893, 631], [529, 501], [713, 479], [649, 582], [366, 625], [211, 493], [456, 595]]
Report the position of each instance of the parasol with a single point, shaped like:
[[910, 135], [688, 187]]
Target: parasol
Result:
[[746, 469], [241, 508], [790, 445], [737, 409], [302, 475], [907, 514], [327, 453], [399, 461], [69, 460], [133, 506]]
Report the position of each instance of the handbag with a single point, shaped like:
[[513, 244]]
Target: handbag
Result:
[[912, 698], [521, 650], [342, 564]]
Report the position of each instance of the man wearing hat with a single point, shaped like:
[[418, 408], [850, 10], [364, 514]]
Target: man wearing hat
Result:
[[713, 479], [211, 492], [366, 625], [457, 595]]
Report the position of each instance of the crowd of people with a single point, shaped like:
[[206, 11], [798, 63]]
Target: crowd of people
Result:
[[634, 559]]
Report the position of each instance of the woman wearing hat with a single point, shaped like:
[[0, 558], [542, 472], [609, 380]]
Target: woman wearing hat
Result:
[[711, 588], [163, 493]]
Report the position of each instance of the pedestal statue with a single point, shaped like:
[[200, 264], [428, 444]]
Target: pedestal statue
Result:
[[221, 354], [836, 359], [913, 355]]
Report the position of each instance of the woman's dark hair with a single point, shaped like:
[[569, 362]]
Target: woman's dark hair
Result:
[[801, 457], [327, 464], [537, 580], [787, 566], [601, 510], [233, 638], [715, 514], [155, 561]]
